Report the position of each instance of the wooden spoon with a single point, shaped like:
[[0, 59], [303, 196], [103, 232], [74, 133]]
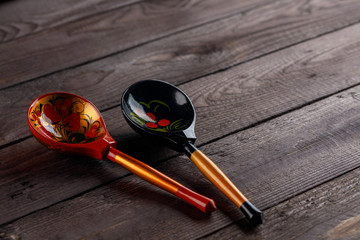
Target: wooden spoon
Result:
[[69, 123], [160, 110]]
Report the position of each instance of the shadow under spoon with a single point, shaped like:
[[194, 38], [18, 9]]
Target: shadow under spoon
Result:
[[71, 124], [160, 110]]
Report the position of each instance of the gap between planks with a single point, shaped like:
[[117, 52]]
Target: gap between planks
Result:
[[335, 66], [57, 80], [32, 17], [260, 173], [291, 219], [128, 44]]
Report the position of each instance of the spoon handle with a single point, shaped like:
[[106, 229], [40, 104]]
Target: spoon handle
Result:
[[159, 179], [222, 182]]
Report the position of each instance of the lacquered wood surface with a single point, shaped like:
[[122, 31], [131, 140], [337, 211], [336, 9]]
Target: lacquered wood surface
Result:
[[275, 85]]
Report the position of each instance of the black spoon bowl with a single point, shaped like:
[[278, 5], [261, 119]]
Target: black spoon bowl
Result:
[[158, 109], [162, 111]]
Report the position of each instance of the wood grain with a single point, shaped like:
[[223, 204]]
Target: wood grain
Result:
[[279, 74], [294, 153], [276, 87], [330, 211], [21, 18], [33, 177], [199, 52], [255, 91], [106, 33]]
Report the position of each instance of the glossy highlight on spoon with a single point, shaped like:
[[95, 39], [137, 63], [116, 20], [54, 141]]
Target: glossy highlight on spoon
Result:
[[162, 100], [71, 124]]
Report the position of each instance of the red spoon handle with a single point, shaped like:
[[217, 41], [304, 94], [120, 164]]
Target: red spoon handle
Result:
[[159, 179], [203, 203]]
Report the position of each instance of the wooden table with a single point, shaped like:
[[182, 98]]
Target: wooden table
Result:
[[276, 87]]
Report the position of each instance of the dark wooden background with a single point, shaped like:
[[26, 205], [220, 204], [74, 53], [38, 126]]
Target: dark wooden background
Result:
[[276, 87]]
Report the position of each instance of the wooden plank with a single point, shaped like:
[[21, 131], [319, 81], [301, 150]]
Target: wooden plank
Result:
[[293, 153], [282, 75], [106, 33], [21, 18], [33, 177], [330, 211], [184, 56]]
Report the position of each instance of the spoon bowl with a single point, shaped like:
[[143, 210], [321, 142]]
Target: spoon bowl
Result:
[[162, 111], [157, 109], [71, 124]]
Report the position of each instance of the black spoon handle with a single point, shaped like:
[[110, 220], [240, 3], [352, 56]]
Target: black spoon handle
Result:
[[222, 182]]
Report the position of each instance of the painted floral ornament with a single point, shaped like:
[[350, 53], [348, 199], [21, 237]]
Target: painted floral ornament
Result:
[[66, 119], [178, 134], [154, 115], [71, 124]]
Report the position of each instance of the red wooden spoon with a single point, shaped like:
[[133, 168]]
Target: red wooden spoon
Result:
[[69, 123]]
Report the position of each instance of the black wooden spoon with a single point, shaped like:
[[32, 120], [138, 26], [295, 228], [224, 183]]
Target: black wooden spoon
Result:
[[160, 110]]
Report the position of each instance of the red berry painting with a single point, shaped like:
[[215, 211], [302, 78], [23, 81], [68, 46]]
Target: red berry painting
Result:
[[154, 115]]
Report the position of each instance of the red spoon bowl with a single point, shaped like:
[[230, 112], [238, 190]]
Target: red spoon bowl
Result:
[[68, 123], [71, 124]]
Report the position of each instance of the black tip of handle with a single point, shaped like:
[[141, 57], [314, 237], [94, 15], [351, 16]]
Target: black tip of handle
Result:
[[254, 215]]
